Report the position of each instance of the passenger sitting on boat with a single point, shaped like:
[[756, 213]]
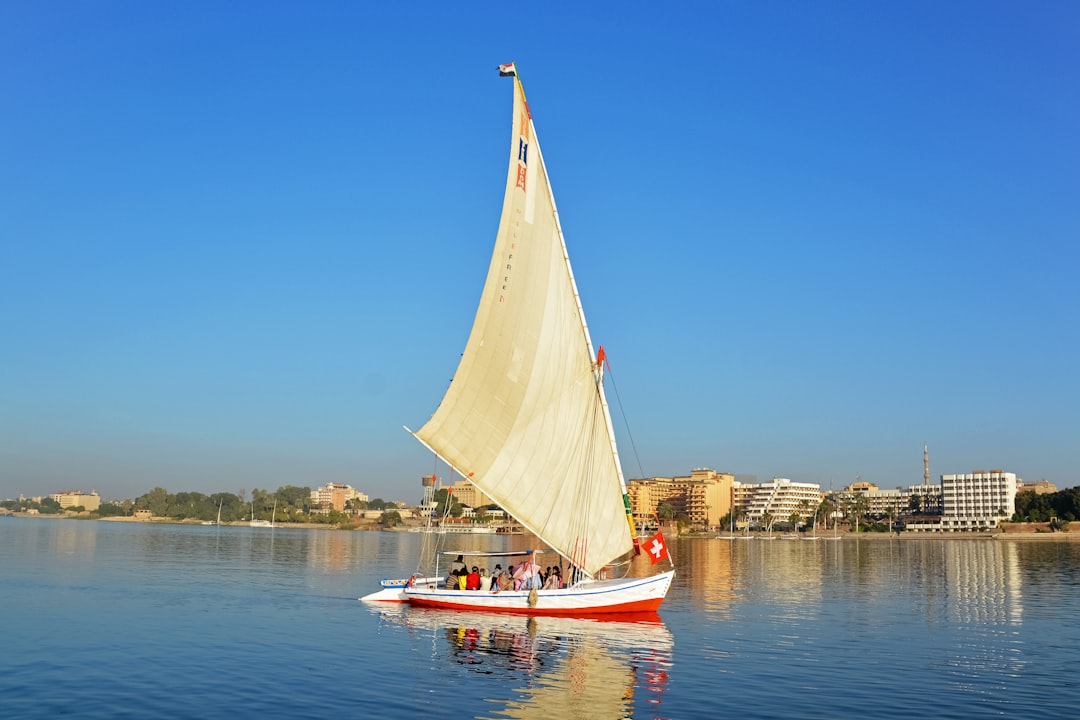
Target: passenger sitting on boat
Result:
[[485, 580], [452, 581], [519, 574], [462, 578], [529, 576], [553, 582], [472, 581]]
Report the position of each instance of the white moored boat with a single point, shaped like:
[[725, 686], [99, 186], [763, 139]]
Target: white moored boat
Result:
[[525, 418]]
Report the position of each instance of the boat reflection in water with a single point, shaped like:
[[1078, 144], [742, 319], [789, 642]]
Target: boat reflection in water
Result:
[[569, 667]]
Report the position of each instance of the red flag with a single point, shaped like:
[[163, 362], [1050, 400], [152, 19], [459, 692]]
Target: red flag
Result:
[[656, 547]]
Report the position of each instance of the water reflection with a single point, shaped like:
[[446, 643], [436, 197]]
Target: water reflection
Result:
[[956, 581], [985, 582], [558, 667]]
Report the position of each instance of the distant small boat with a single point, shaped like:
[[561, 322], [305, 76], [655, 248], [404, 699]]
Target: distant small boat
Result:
[[218, 521], [263, 523]]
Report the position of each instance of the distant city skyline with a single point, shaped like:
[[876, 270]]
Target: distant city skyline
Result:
[[241, 246]]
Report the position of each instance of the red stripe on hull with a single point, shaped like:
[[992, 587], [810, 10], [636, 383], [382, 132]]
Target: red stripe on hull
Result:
[[637, 606]]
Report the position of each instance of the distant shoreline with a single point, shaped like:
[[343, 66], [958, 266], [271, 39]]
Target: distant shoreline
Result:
[[372, 525], [1038, 532], [1008, 531]]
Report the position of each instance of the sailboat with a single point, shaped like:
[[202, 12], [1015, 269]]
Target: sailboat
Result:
[[525, 418], [218, 521], [263, 523]]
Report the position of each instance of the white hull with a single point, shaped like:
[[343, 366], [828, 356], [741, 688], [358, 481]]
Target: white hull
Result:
[[588, 598], [451, 530], [394, 590]]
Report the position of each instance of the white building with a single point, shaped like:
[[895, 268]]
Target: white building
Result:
[[980, 499], [929, 499], [780, 498]]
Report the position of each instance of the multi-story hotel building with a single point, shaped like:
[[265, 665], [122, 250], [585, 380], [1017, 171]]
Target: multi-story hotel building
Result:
[[975, 501], [702, 497], [468, 494], [879, 503], [979, 499], [928, 499], [77, 498], [779, 499], [335, 495]]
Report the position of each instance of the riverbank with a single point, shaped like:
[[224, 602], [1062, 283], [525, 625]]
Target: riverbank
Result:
[[1005, 531], [362, 525]]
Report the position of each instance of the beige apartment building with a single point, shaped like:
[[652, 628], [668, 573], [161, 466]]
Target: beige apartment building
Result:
[[77, 498], [702, 497], [880, 503], [1040, 487], [468, 494], [335, 495]]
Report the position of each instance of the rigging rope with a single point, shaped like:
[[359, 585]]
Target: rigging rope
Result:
[[626, 423]]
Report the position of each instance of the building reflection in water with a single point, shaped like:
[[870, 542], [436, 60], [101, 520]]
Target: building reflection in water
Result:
[[709, 573], [564, 667], [985, 583]]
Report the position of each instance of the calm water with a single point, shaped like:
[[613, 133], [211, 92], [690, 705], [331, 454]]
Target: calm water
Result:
[[134, 620]]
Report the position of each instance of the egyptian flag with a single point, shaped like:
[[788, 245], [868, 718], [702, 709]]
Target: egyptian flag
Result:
[[507, 70], [656, 547]]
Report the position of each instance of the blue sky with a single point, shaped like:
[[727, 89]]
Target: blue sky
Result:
[[241, 244]]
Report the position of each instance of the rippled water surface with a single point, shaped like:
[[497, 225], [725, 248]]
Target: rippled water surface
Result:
[[104, 619]]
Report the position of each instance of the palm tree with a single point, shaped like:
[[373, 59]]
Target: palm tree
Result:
[[825, 509], [860, 506]]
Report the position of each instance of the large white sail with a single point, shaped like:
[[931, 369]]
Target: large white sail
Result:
[[524, 418]]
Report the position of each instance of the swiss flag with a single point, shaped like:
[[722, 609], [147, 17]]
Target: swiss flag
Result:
[[656, 547]]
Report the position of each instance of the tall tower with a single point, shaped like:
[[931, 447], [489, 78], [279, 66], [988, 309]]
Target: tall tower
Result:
[[926, 466], [428, 481]]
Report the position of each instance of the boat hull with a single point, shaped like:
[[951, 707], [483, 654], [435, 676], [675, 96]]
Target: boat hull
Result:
[[394, 590], [628, 595]]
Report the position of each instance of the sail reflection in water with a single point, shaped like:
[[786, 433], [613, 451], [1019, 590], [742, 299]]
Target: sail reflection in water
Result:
[[567, 667]]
